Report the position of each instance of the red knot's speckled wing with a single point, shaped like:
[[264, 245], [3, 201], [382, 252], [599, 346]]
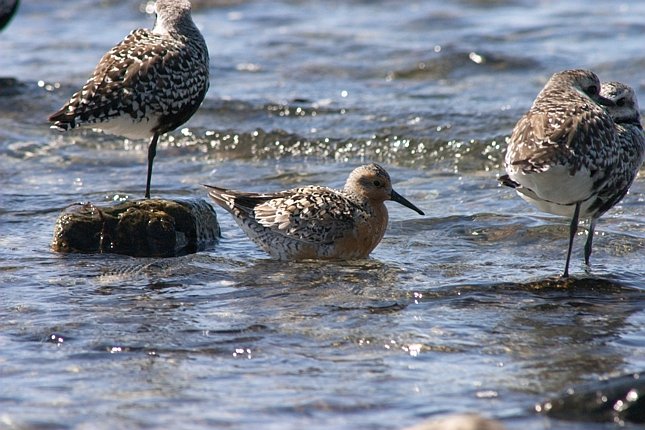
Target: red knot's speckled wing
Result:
[[149, 78], [312, 214]]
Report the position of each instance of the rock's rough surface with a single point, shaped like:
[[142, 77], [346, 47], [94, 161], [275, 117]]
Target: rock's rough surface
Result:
[[618, 400], [141, 228]]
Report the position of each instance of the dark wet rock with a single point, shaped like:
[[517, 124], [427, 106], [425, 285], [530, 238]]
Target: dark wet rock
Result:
[[571, 283], [8, 9], [618, 400], [141, 228], [10, 86]]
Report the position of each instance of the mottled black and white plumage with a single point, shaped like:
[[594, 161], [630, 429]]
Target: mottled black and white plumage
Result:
[[577, 150], [314, 221], [8, 9], [150, 83], [631, 140]]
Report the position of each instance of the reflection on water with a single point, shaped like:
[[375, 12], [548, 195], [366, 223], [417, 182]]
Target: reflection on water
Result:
[[460, 310]]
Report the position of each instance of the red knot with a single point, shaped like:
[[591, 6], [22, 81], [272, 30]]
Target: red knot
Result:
[[316, 222], [150, 83], [577, 150]]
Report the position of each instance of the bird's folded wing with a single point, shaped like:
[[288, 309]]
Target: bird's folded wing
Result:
[[312, 214]]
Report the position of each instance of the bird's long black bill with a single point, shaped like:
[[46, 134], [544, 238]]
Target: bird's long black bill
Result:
[[604, 101], [396, 197]]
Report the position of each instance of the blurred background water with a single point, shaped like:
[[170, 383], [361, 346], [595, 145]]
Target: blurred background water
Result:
[[455, 311]]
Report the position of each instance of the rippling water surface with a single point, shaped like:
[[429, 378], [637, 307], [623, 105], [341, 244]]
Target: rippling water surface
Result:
[[455, 311]]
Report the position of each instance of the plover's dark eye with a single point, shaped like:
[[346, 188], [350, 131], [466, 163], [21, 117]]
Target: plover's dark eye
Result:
[[377, 183], [620, 102], [592, 89]]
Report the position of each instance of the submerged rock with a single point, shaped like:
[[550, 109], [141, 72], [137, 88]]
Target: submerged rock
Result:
[[618, 400], [141, 228], [8, 9], [459, 422]]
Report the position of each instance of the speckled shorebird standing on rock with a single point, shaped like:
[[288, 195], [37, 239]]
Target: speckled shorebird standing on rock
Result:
[[150, 83], [317, 222], [568, 156]]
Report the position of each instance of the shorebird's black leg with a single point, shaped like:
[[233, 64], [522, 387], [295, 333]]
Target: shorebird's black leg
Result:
[[592, 227], [152, 151], [572, 233]]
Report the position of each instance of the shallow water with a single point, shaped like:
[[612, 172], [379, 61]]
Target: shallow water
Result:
[[456, 311]]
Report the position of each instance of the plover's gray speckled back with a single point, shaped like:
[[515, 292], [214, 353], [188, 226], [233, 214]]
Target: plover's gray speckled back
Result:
[[317, 222], [566, 155], [150, 83]]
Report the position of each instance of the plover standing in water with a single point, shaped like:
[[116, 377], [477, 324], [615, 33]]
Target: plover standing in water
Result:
[[314, 221], [566, 155], [150, 83]]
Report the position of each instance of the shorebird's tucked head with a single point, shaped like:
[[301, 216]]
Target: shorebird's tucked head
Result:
[[585, 82], [625, 106], [172, 15], [372, 183]]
